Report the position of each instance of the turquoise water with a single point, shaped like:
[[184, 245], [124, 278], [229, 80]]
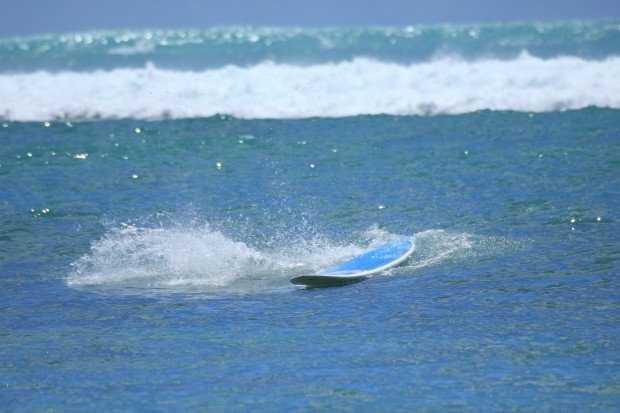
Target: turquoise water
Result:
[[145, 253], [246, 45]]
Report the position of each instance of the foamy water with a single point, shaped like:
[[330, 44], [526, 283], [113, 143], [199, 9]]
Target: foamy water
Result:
[[357, 87], [204, 258]]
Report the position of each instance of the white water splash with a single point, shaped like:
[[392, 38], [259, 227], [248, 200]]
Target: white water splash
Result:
[[435, 246], [195, 256], [200, 257]]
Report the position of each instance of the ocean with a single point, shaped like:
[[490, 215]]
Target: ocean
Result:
[[159, 188]]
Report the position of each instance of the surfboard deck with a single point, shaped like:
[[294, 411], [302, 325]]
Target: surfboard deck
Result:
[[384, 257]]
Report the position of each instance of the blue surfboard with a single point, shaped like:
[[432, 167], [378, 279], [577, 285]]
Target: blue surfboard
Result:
[[359, 268]]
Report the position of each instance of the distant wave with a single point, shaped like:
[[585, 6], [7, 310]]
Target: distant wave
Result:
[[215, 47], [356, 87]]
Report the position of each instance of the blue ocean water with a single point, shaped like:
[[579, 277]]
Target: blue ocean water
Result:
[[158, 189]]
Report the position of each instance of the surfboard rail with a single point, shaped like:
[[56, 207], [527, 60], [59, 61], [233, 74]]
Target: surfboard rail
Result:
[[314, 280]]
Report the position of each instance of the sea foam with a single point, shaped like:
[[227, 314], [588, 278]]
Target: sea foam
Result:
[[361, 86], [201, 258]]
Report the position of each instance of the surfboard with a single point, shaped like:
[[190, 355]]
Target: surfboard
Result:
[[359, 268]]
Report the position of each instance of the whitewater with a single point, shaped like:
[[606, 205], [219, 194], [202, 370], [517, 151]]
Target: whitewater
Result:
[[268, 90], [199, 258]]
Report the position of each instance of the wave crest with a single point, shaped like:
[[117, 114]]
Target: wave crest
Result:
[[358, 87]]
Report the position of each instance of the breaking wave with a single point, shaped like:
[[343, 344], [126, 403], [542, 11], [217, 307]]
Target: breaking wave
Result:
[[361, 86]]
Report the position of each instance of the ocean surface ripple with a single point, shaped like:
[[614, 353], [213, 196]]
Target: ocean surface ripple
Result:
[[159, 188]]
